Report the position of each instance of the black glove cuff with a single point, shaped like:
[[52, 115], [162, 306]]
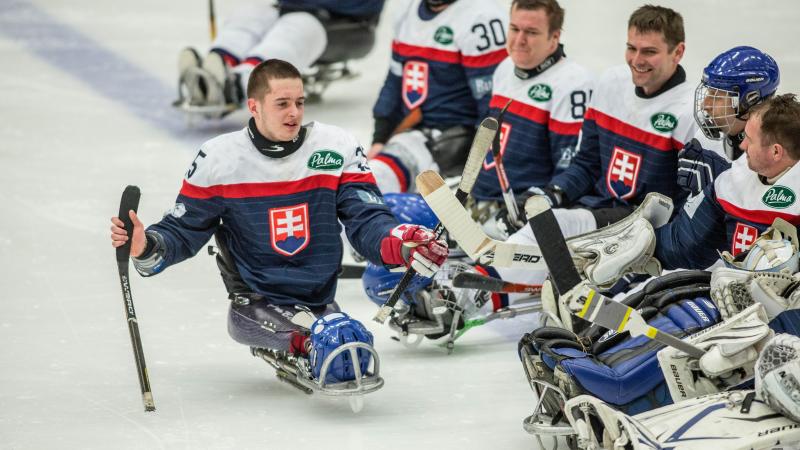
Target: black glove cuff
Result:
[[383, 130]]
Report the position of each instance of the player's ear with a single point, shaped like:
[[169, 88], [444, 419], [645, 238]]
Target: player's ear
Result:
[[680, 49], [252, 106]]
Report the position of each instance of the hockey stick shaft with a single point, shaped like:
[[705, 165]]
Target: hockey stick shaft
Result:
[[130, 202], [467, 280], [597, 308], [480, 145], [411, 120], [212, 20], [505, 187]]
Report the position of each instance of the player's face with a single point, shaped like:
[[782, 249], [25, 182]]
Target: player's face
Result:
[[528, 40], [650, 60], [761, 157], [279, 114], [718, 104]]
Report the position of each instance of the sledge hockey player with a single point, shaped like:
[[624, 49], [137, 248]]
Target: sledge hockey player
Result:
[[549, 94], [637, 121], [273, 194], [437, 90], [302, 32], [732, 83]]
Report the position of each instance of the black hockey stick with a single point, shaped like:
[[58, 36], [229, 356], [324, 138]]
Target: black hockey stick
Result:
[[505, 187], [351, 271], [468, 280], [130, 201], [597, 308], [477, 152]]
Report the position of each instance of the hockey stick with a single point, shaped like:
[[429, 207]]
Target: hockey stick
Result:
[[468, 234], [597, 308], [505, 187], [505, 313], [477, 153], [130, 202], [212, 20], [468, 280], [409, 121]]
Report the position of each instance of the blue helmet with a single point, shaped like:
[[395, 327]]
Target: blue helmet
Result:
[[411, 208], [330, 332], [379, 283], [732, 83]]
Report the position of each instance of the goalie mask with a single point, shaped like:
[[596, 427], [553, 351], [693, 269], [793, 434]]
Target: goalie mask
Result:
[[732, 83], [778, 375]]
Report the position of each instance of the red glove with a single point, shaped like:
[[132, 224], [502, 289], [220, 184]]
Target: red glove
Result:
[[414, 246]]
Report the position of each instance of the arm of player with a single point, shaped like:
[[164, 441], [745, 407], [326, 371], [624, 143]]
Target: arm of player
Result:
[[692, 238], [388, 111], [578, 179]]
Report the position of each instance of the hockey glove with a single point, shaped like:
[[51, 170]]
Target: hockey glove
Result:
[[414, 246], [698, 167]]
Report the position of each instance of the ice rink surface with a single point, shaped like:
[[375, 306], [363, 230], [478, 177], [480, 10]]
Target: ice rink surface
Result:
[[85, 89]]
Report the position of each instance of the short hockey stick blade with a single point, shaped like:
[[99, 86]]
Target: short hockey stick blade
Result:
[[552, 244], [128, 202], [480, 145], [468, 280], [468, 234], [616, 316]]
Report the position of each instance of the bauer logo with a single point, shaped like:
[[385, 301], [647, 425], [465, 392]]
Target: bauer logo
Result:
[[325, 160], [664, 122], [443, 35], [540, 93], [778, 197]]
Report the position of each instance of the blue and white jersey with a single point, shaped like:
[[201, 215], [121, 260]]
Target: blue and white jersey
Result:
[[279, 217], [443, 63], [728, 215], [354, 8], [540, 128], [629, 142]]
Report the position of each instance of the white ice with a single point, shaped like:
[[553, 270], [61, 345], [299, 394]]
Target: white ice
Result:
[[84, 91]]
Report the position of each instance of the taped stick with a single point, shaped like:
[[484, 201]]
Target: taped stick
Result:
[[468, 280]]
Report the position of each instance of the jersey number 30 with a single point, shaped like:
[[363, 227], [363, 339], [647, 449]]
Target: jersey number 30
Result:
[[495, 29]]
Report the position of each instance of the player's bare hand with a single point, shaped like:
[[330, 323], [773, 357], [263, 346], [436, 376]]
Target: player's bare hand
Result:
[[374, 150], [119, 236]]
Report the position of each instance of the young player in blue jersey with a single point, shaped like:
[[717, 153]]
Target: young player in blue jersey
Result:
[[438, 87], [297, 31], [273, 194], [549, 94]]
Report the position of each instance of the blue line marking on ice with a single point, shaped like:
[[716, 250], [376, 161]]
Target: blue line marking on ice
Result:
[[107, 73]]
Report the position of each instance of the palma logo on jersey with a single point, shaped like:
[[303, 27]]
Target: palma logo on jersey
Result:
[[288, 229], [778, 197], [325, 160], [415, 83], [743, 238], [540, 92], [664, 122], [443, 35], [623, 171], [505, 130]]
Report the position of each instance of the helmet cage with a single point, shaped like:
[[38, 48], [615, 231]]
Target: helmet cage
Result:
[[716, 110]]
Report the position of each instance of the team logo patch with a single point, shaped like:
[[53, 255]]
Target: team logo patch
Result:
[[325, 160], [664, 122], [505, 130], [443, 35], [288, 229], [743, 238], [540, 92], [415, 83], [623, 171], [778, 197]]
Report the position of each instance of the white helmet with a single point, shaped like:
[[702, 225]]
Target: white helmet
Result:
[[778, 375]]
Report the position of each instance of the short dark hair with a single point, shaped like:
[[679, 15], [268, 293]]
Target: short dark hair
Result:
[[780, 122], [554, 11], [651, 18], [271, 69]]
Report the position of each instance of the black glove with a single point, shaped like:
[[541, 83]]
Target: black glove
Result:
[[508, 226], [697, 167]]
